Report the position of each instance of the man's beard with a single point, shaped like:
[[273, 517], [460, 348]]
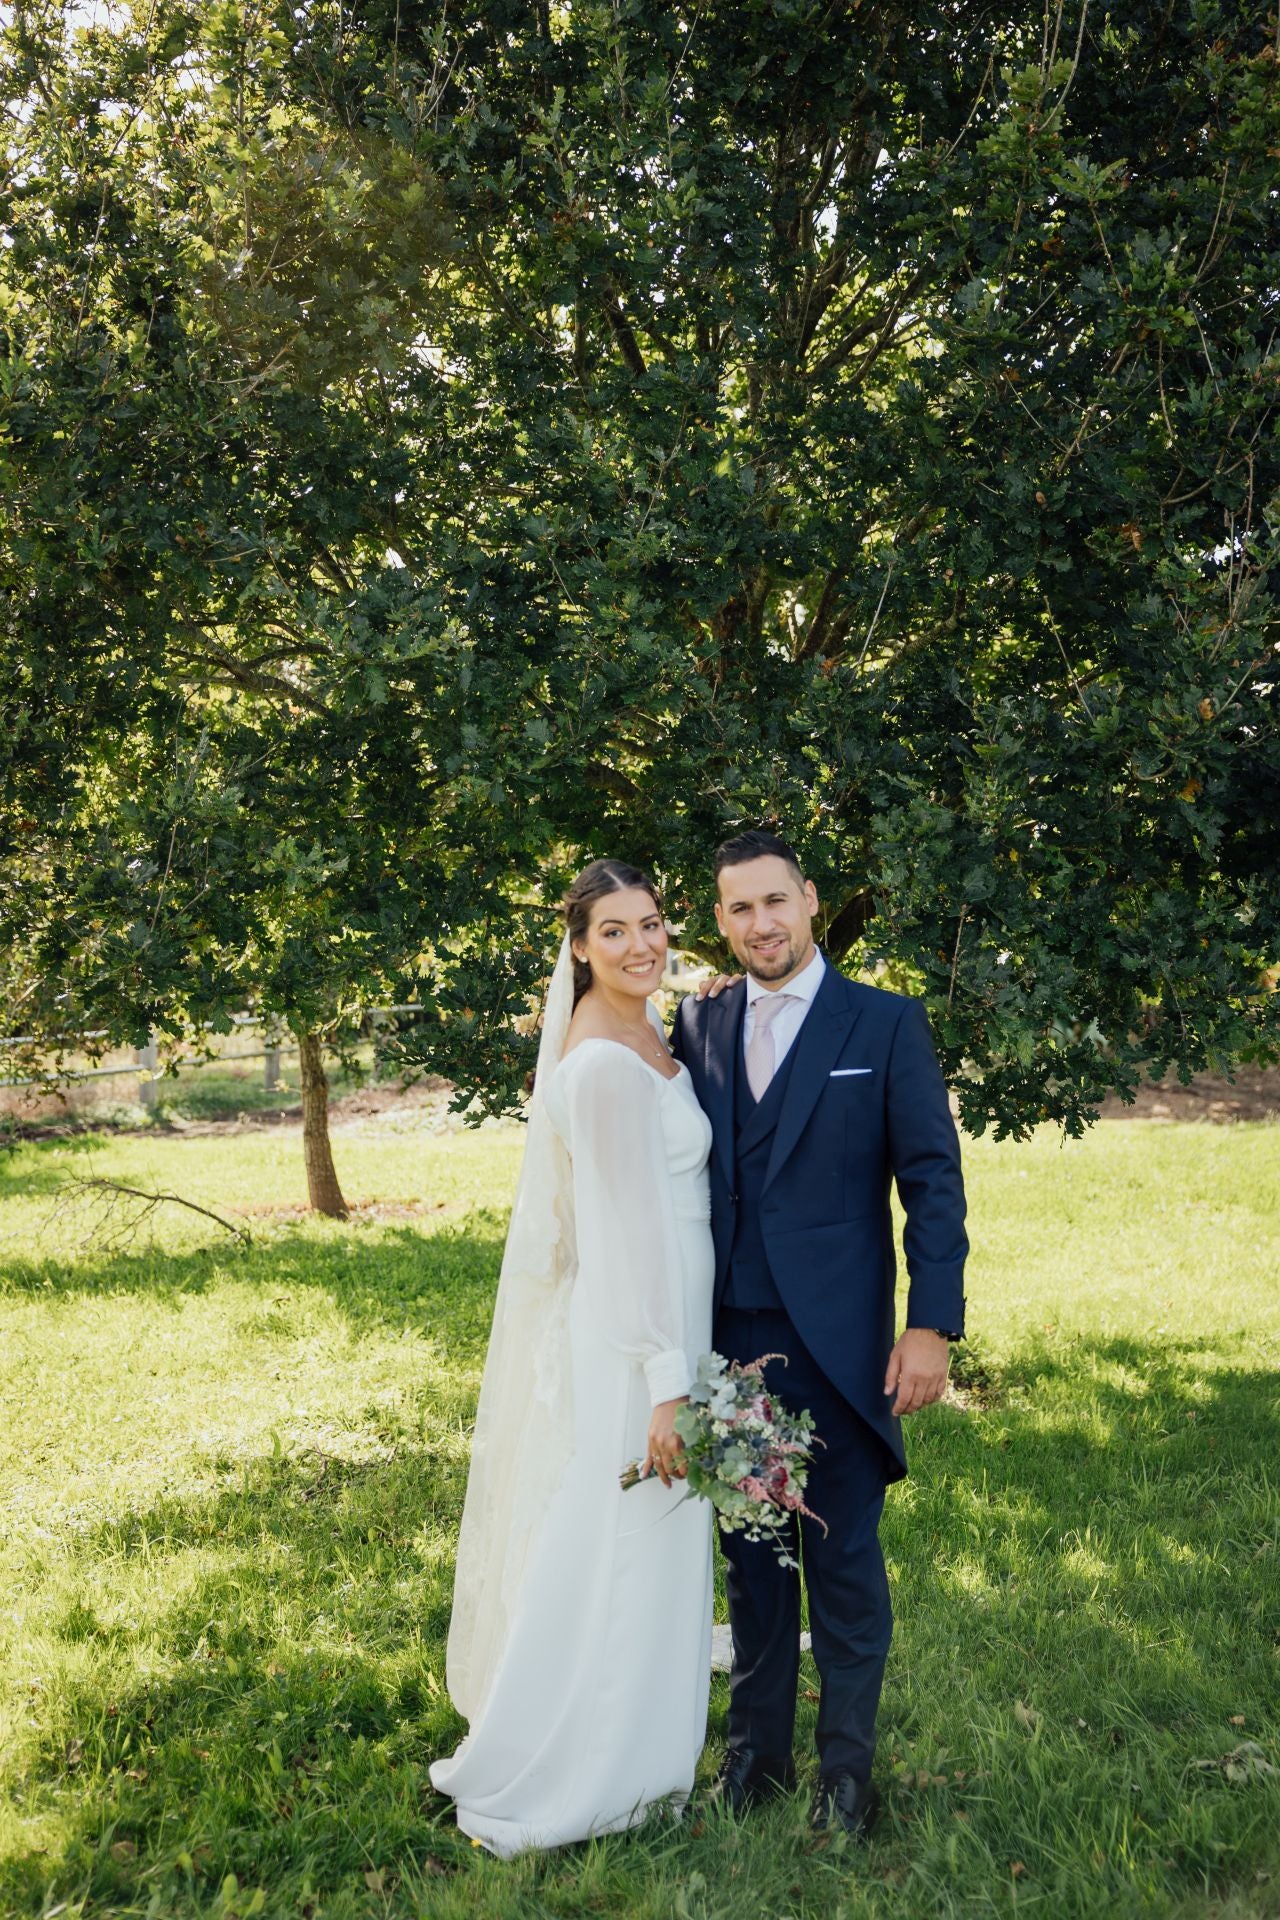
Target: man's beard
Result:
[[778, 966]]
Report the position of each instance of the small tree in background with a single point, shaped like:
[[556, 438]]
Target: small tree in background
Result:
[[209, 800]]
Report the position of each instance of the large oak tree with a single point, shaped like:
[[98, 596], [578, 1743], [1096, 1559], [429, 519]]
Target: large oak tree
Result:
[[856, 417], [870, 420]]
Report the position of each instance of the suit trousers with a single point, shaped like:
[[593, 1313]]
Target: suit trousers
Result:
[[850, 1616]]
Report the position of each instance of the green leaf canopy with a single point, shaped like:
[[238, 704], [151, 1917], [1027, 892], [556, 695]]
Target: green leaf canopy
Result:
[[860, 419]]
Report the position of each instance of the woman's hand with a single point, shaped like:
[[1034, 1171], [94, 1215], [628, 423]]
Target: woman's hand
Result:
[[665, 1445], [712, 989]]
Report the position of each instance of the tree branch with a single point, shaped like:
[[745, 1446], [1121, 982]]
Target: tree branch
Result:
[[334, 569], [662, 340], [84, 1186], [849, 923], [245, 675], [816, 632], [881, 322], [628, 346], [609, 780]]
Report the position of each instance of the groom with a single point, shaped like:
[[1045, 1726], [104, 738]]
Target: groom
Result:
[[821, 1093]]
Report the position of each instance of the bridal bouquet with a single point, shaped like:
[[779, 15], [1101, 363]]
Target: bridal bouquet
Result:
[[745, 1454]]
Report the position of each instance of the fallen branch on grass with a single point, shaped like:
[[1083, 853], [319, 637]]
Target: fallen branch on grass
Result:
[[115, 1225]]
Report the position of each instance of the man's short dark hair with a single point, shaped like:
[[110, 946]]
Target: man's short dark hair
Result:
[[754, 845]]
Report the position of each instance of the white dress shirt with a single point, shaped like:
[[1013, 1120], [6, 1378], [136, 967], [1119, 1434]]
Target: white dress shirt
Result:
[[790, 1020]]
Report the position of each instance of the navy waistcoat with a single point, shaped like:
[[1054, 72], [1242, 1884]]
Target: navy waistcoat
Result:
[[750, 1281]]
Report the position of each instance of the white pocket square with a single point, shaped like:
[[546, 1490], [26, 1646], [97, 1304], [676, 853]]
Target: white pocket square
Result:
[[847, 1073]]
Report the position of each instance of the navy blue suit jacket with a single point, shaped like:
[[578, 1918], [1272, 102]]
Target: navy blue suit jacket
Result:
[[865, 1104]]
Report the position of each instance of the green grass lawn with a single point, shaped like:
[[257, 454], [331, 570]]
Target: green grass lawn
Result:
[[230, 1480]]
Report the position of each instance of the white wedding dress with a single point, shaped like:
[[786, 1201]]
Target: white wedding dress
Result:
[[587, 1700]]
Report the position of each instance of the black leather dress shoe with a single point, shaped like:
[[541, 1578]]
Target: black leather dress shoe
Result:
[[747, 1777], [843, 1802]]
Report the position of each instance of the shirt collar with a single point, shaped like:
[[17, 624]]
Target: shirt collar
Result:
[[804, 986]]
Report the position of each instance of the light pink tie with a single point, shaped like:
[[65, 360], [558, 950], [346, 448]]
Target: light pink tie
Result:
[[760, 1049]]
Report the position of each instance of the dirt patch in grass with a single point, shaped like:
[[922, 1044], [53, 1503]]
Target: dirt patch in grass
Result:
[[1254, 1094], [972, 1385], [372, 1102], [88, 1109], [361, 1211]]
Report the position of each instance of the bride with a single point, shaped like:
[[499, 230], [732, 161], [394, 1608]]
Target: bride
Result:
[[580, 1638]]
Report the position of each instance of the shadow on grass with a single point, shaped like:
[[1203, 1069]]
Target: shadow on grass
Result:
[[1124, 1398], [294, 1688], [377, 1276], [1077, 1544], [1079, 1440], [1105, 1534]]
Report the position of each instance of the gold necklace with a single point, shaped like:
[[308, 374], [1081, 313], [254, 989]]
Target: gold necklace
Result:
[[660, 1049]]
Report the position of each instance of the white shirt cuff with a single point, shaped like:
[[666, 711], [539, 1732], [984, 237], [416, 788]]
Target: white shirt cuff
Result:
[[668, 1375]]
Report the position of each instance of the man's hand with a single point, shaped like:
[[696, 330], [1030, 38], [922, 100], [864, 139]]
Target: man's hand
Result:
[[666, 1448], [711, 989], [918, 1369]]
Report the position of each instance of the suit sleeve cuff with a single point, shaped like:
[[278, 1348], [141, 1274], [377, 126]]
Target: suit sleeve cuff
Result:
[[668, 1375], [936, 1299]]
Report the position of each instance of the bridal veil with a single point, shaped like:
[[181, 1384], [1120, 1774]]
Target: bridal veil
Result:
[[524, 1420]]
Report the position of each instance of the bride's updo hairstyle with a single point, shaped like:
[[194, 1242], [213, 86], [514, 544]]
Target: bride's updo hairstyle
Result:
[[592, 884]]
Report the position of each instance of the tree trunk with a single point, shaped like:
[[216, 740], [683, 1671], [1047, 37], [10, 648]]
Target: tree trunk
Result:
[[323, 1190], [145, 1057]]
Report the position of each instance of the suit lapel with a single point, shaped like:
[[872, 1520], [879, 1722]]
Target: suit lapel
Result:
[[722, 1044], [824, 1031]]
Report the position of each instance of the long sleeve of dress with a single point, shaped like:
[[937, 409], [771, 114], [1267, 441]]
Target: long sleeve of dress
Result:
[[624, 1220]]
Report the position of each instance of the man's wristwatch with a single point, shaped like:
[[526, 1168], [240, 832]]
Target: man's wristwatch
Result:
[[944, 1333]]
